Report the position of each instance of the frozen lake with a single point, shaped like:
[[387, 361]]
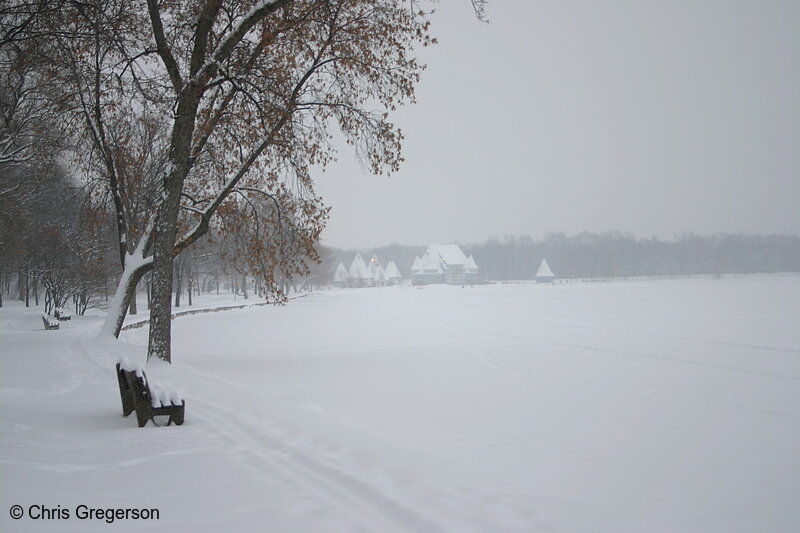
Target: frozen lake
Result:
[[626, 406]]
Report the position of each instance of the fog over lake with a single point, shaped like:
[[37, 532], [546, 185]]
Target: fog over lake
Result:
[[644, 117]]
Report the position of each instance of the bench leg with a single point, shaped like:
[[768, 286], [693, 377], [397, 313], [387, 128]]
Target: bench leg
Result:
[[125, 393], [143, 415], [176, 414], [180, 413]]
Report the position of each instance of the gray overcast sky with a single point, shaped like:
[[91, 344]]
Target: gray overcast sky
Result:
[[561, 115]]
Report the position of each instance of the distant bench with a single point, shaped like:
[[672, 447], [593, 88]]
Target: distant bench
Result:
[[134, 391], [49, 323]]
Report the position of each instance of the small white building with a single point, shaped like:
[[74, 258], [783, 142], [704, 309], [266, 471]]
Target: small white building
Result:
[[392, 273], [340, 276], [366, 273], [544, 274], [358, 274], [416, 267], [444, 263]]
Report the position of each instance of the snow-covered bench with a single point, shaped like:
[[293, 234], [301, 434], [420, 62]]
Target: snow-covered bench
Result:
[[137, 395], [61, 314], [49, 323]]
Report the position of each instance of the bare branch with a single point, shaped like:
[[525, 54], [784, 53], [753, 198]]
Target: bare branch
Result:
[[164, 50]]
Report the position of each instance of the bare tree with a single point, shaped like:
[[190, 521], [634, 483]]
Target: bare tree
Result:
[[246, 94], [46, 234], [19, 19], [31, 133], [212, 114]]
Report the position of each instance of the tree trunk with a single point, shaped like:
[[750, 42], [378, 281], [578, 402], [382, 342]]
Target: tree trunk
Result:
[[244, 286], [178, 284], [189, 282], [21, 283], [160, 340]]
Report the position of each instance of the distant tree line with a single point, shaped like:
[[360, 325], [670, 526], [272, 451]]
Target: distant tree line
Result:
[[619, 255], [58, 247], [611, 254], [53, 253]]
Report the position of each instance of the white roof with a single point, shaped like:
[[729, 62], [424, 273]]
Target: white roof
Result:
[[450, 254], [544, 270], [417, 266], [431, 263], [341, 273], [358, 269], [471, 265], [392, 272]]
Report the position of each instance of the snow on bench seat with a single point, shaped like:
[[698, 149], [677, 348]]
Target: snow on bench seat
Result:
[[49, 323], [149, 393]]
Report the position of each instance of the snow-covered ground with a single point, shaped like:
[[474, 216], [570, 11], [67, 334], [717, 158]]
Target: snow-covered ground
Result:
[[619, 407]]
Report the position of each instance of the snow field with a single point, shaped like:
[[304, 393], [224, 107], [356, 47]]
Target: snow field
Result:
[[641, 406]]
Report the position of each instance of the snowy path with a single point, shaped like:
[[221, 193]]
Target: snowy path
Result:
[[665, 406]]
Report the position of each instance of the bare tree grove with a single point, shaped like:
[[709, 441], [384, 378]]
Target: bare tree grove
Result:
[[184, 118]]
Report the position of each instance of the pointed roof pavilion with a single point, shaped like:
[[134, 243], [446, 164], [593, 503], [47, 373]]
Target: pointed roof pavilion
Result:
[[392, 272], [341, 274], [417, 266], [544, 271], [358, 268]]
